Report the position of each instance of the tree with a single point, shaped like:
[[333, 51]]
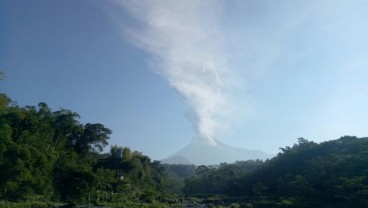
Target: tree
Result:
[[4, 102], [127, 153], [67, 129], [25, 172], [93, 139], [116, 152], [74, 180]]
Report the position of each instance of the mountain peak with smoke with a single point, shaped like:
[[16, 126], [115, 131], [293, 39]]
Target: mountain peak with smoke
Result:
[[187, 48], [207, 141], [201, 152]]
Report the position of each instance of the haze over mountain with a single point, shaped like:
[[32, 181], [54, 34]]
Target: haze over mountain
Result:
[[200, 152], [256, 74]]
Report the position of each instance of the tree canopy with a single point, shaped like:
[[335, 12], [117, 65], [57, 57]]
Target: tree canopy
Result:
[[48, 155]]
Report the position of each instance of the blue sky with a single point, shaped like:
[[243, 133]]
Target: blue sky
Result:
[[148, 70]]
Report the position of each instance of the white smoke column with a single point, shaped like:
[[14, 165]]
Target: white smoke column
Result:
[[186, 47]]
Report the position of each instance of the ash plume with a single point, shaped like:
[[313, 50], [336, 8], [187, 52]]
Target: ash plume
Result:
[[185, 44]]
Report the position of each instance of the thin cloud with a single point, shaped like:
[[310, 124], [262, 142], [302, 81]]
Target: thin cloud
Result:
[[262, 60], [184, 41]]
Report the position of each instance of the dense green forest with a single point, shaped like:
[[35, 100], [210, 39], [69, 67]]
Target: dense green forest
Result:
[[330, 174], [49, 155], [48, 158]]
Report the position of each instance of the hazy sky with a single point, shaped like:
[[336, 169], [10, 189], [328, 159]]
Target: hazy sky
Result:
[[253, 74]]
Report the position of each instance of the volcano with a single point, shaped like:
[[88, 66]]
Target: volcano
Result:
[[200, 152]]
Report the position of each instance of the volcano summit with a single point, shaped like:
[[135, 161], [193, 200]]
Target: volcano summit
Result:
[[200, 152]]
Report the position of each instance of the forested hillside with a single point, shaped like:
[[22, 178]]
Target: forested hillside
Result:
[[49, 156], [330, 174]]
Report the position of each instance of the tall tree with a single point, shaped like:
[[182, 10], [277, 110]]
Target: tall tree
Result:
[[93, 138]]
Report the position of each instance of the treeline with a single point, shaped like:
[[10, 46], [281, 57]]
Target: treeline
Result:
[[218, 179], [330, 174], [49, 155]]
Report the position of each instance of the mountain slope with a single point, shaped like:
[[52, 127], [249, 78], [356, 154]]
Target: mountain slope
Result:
[[199, 152]]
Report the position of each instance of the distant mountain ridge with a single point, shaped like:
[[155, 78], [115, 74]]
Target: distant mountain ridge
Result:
[[198, 152]]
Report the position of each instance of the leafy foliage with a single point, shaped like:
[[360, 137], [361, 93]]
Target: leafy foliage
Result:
[[49, 155], [330, 174]]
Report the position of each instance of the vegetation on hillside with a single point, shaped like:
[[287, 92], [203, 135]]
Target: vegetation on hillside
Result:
[[48, 156], [330, 174]]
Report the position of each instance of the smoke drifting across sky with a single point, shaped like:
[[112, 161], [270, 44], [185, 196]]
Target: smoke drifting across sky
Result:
[[275, 69], [186, 45], [293, 68]]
